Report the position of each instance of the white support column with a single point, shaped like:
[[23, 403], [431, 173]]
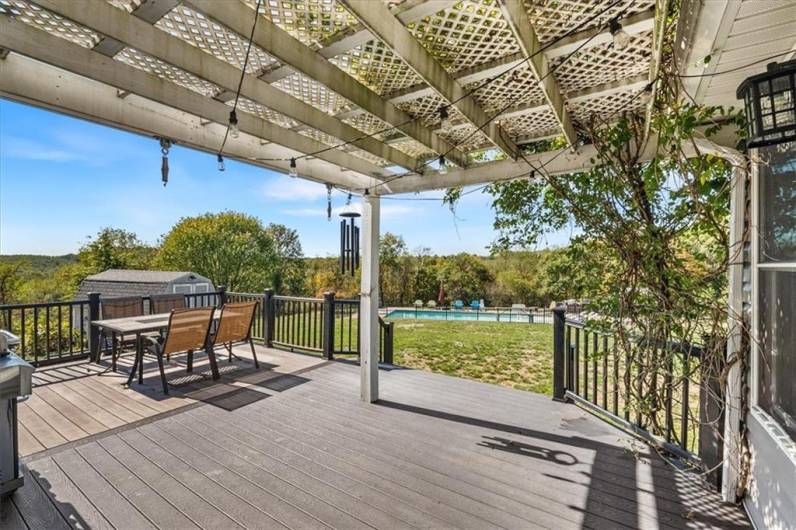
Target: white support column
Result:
[[369, 301]]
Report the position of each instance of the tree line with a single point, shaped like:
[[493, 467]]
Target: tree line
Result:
[[239, 251]]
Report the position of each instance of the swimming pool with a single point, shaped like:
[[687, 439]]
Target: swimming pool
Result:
[[486, 315]]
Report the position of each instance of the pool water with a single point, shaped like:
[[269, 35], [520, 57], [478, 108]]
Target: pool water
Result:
[[456, 314]]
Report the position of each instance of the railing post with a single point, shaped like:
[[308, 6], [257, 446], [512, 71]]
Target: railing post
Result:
[[222, 295], [559, 325], [711, 423], [328, 325], [93, 331], [387, 346], [268, 317]]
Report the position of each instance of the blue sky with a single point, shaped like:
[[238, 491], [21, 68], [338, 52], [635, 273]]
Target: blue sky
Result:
[[63, 179]]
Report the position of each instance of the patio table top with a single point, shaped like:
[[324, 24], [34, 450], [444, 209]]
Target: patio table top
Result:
[[138, 324]]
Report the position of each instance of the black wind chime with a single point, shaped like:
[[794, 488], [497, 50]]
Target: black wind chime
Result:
[[349, 239]]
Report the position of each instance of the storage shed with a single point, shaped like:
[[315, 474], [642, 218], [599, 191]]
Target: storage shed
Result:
[[122, 282]]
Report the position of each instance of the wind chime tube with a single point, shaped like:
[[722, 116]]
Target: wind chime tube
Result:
[[342, 245], [356, 247]]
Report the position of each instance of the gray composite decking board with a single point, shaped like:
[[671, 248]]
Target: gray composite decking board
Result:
[[198, 509], [279, 509], [74, 413], [100, 413], [327, 513], [313, 454], [56, 419], [358, 488], [107, 499], [10, 518], [236, 507], [95, 394], [475, 490], [40, 429], [253, 451], [74, 506], [148, 501], [109, 395], [26, 439], [35, 507]]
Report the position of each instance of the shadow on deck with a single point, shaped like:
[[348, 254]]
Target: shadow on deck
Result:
[[300, 450]]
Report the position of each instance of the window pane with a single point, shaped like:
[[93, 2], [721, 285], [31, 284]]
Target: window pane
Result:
[[777, 360], [778, 203]]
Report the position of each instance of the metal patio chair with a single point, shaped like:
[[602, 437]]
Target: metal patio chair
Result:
[[188, 331], [163, 303], [120, 307], [235, 325]]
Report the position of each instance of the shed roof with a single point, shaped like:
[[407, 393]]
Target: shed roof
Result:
[[139, 276], [113, 289]]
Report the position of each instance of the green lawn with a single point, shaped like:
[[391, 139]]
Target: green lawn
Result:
[[514, 355]]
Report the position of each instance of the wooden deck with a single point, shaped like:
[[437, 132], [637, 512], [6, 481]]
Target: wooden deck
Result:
[[271, 450]]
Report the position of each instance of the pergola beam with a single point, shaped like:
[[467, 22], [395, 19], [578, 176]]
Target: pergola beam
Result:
[[634, 25], [377, 17], [516, 15], [71, 94], [277, 42], [134, 32]]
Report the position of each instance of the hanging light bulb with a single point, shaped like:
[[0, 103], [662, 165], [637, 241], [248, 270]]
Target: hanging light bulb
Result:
[[234, 130], [293, 171], [221, 166], [445, 121], [621, 38], [443, 165]]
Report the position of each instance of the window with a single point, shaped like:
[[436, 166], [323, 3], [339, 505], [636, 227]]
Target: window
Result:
[[776, 284]]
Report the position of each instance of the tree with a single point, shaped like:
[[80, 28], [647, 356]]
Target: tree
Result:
[[393, 269], [115, 248], [464, 277], [289, 274], [230, 248], [9, 282]]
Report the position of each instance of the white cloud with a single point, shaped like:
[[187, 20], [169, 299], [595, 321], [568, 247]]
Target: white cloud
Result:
[[294, 189]]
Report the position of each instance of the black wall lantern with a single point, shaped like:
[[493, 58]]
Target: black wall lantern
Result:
[[349, 239], [770, 103]]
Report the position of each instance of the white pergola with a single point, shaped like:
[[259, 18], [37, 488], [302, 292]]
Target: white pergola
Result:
[[351, 88]]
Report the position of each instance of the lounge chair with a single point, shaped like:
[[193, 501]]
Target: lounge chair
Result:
[[475, 304], [164, 303], [458, 304], [235, 325], [189, 330]]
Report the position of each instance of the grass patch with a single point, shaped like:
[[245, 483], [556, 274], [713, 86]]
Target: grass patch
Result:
[[513, 355]]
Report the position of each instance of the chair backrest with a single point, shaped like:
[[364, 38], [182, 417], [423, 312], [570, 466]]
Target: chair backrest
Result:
[[235, 322], [121, 307], [188, 329], [164, 303]]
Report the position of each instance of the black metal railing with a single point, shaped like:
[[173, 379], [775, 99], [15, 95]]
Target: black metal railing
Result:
[[654, 393], [53, 332], [49, 331], [317, 325]]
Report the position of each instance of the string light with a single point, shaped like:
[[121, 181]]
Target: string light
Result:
[[234, 130], [293, 170], [221, 166], [621, 38], [443, 165], [445, 121]]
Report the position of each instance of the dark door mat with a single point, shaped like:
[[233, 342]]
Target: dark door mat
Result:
[[283, 382], [236, 399]]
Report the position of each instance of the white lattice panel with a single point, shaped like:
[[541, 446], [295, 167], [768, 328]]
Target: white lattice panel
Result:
[[207, 35], [313, 93], [534, 124], [470, 33], [374, 65], [321, 137], [466, 140], [514, 88], [166, 71], [607, 107], [369, 157], [603, 64], [370, 124], [412, 148], [50, 22], [310, 21], [261, 111], [554, 18]]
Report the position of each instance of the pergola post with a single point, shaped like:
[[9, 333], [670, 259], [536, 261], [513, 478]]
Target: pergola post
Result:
[[369, 301]]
